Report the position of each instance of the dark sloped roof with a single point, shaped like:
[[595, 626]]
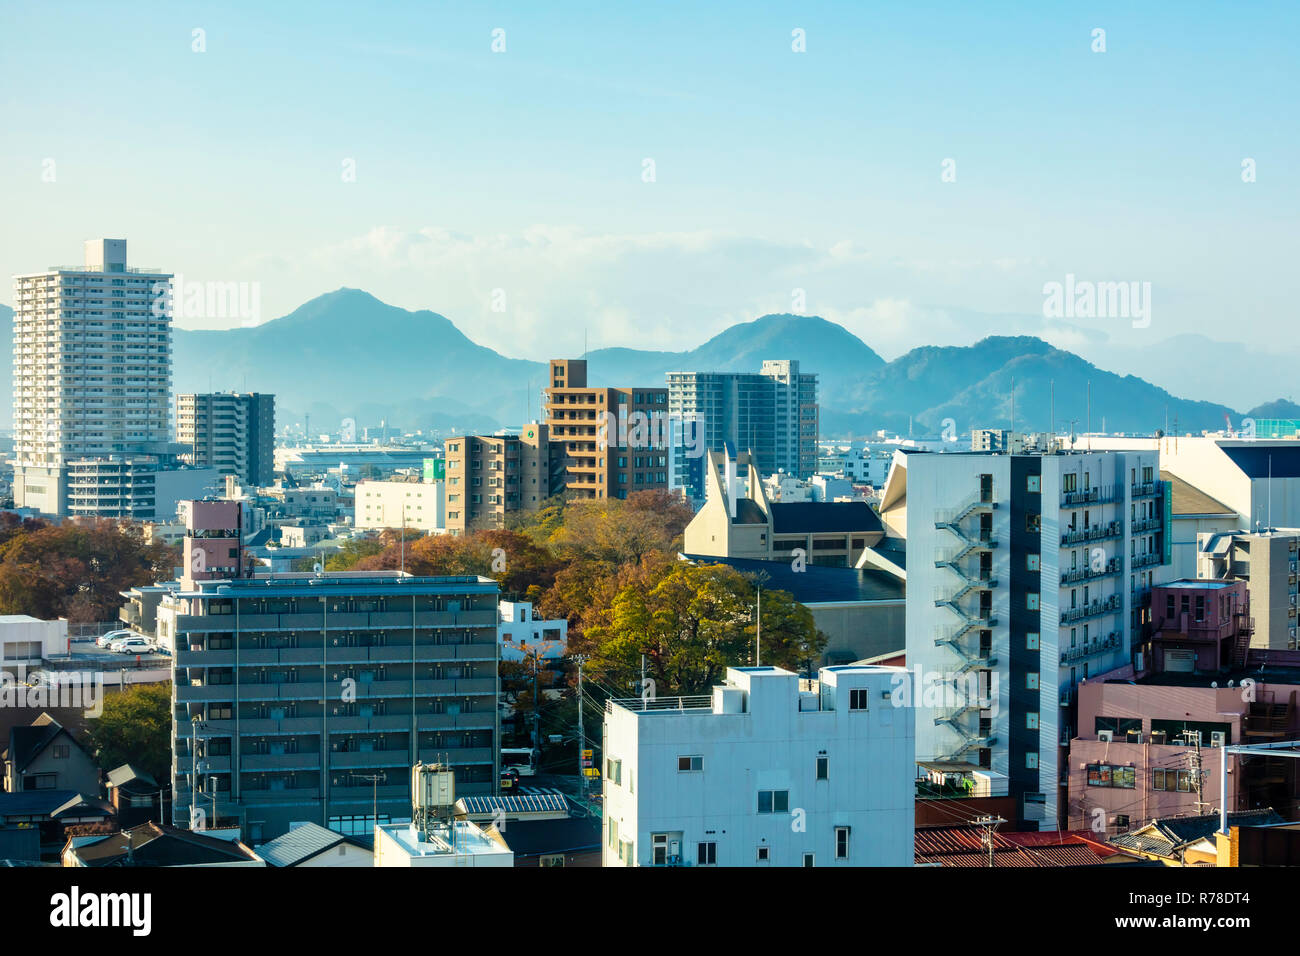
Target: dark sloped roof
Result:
[[816, 584], [535, 837], [154, 844], [748, 512], [1165, 836], [301, 843], [26, 743], [35, 802], [80, 806], [818, 517]]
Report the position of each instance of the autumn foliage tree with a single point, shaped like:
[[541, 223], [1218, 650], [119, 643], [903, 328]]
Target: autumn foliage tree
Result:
[[75, 570]]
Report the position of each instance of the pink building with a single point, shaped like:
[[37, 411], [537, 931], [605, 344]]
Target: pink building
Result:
[[1150, 735], [212, 544]]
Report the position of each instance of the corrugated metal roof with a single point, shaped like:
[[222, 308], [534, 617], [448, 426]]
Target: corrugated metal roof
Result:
[[521, 803], [298, 844]]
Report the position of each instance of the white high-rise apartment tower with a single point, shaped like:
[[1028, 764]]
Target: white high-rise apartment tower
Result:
[[92, 369], [1027, 574]]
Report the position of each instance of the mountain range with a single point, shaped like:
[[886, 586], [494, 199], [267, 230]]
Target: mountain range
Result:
[[347, 354]]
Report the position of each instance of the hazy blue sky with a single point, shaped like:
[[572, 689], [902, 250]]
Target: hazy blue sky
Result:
[[774, 170]]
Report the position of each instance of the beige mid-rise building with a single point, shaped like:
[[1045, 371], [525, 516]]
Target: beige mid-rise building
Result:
[[490, 477], [609, 442]]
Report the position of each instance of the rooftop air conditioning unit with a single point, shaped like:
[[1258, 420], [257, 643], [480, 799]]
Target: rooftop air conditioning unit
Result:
[[1218, 738], [1106, 736]]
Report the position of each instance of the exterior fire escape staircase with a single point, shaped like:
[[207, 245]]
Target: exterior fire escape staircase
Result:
[[956, 714]]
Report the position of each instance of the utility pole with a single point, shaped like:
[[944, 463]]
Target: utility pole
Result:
[[987, 825], [537, 718], [582, 736], [1194, 764], [374, 793], [758, 630], [195, 723]]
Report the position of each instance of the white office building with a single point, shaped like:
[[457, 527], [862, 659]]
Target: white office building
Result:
[[522, 633], [414, 505], [770, 770], [92, 369], [1026, 574]]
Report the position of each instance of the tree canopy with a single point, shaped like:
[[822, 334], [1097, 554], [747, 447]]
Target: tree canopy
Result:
[[135, 728], [75, 570]]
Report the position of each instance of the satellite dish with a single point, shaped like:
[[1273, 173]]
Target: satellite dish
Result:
[[318, 567]]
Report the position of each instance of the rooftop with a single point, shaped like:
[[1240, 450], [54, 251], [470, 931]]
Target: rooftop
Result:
[[302, 843], [306, 583], [823, 517], [816, 584], [154, 844], [463, 838], [1189, 500]]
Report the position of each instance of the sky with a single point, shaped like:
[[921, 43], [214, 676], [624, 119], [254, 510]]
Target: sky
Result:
[[648, 174]]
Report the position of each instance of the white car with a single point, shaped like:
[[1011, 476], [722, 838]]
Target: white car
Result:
[[104, 640], [130, 645]]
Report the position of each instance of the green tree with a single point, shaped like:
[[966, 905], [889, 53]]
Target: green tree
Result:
[[692, 624], [135, 728]]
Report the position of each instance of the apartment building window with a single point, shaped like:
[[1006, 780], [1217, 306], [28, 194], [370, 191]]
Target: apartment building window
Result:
[[762, 855], [1031, 760], [1171, 780], [706, 854], [1033, 523], [1069, 483], [1033, 562], [1032, 641], [692, 764], [1031, 680], [858, 699], [774, 801], [61, 751], [1106, 775], [614, 771], [1033, 484], [1031, 601], [823, 768], [842, 843]]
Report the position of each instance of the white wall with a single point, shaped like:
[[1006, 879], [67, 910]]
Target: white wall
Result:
[[773, 745]]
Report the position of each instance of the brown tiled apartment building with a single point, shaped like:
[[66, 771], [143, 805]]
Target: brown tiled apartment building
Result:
[[575, 414], [491, 476]]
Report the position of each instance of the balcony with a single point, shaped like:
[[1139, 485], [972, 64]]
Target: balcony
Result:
[[1114, 529], [1110, 605], [367, 759], [304, 760], [1087, 573], [1101, 495]]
